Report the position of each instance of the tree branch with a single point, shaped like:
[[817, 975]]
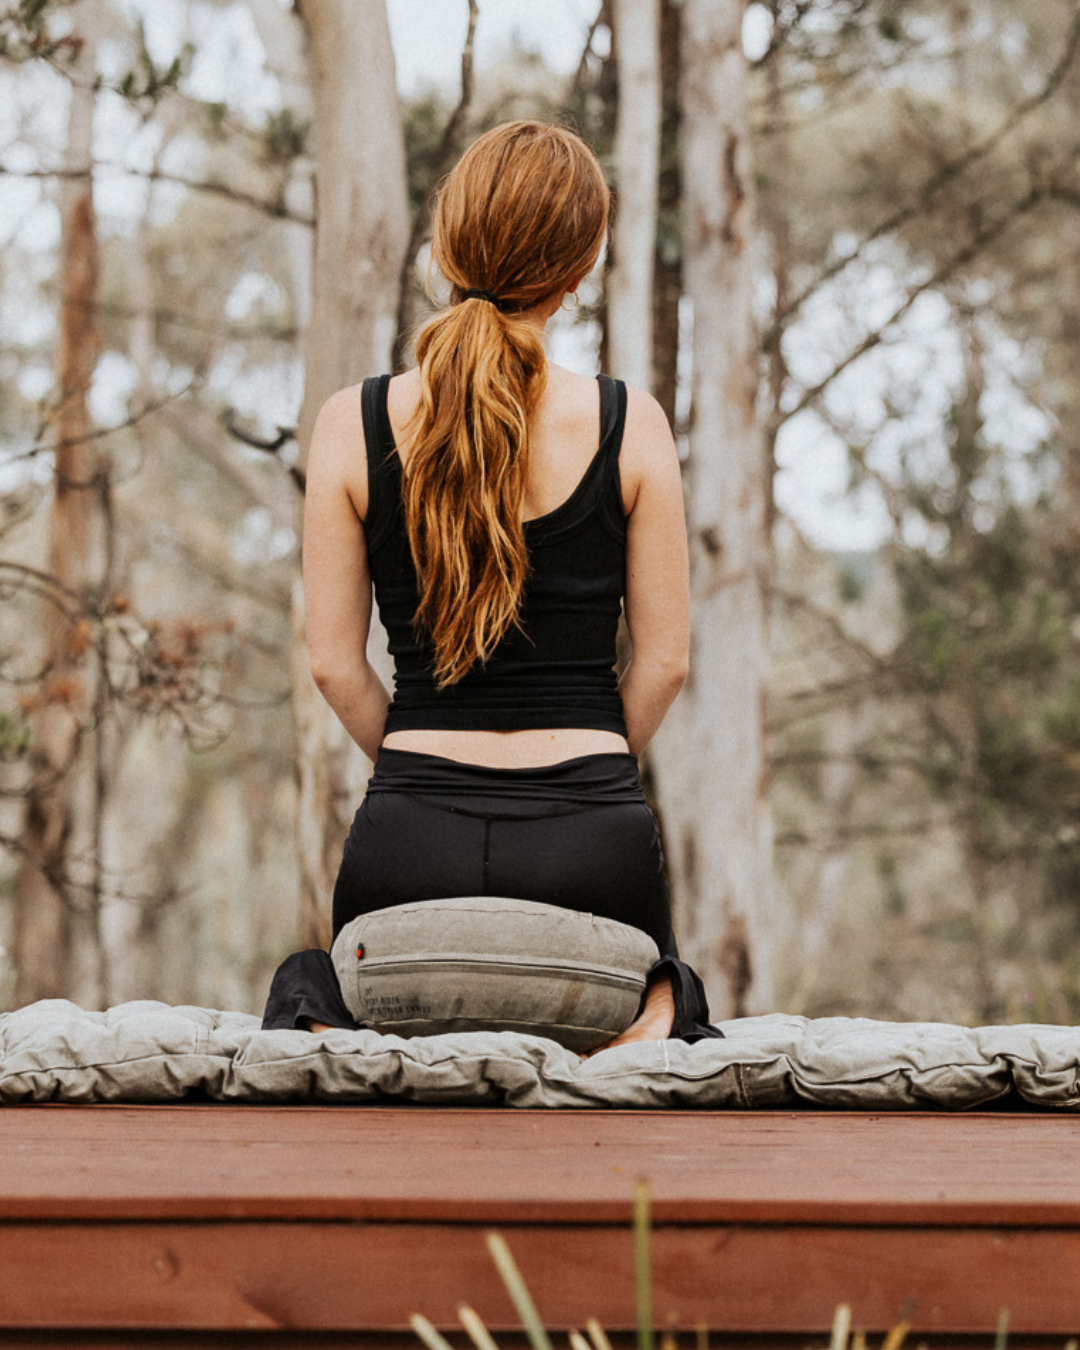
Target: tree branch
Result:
[[269, 447], [277, 209], [578, 82], [795, 601], [44, 585], [1038, 192], [923, 198], [99, 433], [900, 829], [865, 759], [67, 886]]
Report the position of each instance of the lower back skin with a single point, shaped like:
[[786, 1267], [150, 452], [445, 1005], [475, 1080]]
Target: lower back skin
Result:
[[531, 748]]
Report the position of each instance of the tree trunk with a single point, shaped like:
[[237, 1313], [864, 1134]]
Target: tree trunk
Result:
[[57, 872], [709, 757], [637, 154], [360, 237], [282, 34], [667, 264], [775, 208]]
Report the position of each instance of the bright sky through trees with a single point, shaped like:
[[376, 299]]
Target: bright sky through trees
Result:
[[428, 36]]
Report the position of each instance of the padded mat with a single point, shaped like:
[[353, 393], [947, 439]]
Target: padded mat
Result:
[[153, 1052]]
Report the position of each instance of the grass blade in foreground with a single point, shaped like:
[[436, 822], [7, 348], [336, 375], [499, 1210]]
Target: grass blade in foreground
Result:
[[428, 1334], [643, 1266], [518, 1291], [1002, 1337], [474, 1325], [840, 1327], [599, 1337], [896, 1337]]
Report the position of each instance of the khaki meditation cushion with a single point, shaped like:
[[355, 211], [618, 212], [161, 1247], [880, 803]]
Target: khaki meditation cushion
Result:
[[484, 963]]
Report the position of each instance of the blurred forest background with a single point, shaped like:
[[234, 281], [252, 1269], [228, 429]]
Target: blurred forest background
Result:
[[846, 259]]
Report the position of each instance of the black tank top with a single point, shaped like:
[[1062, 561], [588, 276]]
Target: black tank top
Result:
[[558, 672]]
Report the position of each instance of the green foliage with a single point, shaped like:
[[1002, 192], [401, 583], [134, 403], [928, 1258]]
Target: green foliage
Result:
[[216, 116], [14, 736], [890, 28], [26, 33], [989, 655], [854, 571], [424, 120], [146, 83], [283, 136], [973, 695]]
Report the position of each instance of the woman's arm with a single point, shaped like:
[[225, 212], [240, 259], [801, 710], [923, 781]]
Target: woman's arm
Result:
[[657, 570], [337, 580]]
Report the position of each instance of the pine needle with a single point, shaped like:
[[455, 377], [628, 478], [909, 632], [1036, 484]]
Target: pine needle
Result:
[[701, 1337], [597, 1335], [897, 1335], [428, 1334], [1002, 1337], [840, 1327], [518, 1291], [578, 1341], [478, 1333], [643, 1266]]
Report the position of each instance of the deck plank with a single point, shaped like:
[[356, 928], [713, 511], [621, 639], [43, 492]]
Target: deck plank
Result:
[[124, 1222], [504, 1165], [365, 1277]]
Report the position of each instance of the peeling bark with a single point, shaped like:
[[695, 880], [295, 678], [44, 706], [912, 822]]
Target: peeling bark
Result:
[[59, 820], [667, 265]]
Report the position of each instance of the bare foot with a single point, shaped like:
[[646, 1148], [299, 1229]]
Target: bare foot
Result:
[[653, 1023], [311, 1025]]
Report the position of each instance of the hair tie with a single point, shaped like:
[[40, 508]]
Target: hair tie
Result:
[[475, 294]]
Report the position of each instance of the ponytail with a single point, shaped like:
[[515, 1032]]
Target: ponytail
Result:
[[482, 374], [521, 218]]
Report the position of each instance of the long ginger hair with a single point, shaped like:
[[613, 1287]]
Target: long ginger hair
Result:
[[522, 216]]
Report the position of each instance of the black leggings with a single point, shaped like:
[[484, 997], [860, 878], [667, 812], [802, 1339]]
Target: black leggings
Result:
[[578, 834]]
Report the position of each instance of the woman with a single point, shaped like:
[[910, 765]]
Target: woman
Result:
[[502, 507]]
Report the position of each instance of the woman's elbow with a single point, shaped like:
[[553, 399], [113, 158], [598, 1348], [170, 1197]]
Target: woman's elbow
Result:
[[321, 672], [668, 670], [678, 671], [327, 673], [339, 671]]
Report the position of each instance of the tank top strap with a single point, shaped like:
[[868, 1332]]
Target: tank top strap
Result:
[[383, 462], [612, 424]]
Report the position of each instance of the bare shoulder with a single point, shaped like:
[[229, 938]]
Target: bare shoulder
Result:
[[337, 454], [570, 397], [402, 395], [648, 454], [339, 424]]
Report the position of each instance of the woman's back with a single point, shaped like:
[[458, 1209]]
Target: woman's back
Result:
[[563, 435], [486, 436]]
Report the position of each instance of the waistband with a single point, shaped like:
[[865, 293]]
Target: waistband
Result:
[[601, 778]]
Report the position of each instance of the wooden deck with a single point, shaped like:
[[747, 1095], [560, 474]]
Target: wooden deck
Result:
[[327, 1226]]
